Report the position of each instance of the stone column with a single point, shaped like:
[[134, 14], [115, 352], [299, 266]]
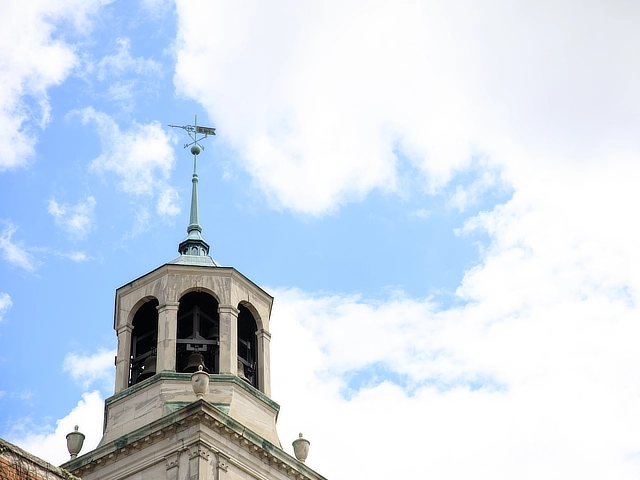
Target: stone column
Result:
[[264, 361], [172, 465], [199, 463], [167, 335], [223, 465], [123, 356], [228, 339]]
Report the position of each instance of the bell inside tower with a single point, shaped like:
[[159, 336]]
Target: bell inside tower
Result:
[[144, 342], [198, 333], [247, 346]]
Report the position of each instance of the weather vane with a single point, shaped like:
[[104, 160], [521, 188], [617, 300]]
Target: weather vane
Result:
[[194, 244], [193, 131]]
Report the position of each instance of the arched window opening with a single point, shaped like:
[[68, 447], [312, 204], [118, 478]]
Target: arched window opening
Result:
[[247, 346], [144, 341], [198, 333]]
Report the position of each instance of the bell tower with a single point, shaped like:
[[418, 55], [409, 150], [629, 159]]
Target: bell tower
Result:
[[188, 319]]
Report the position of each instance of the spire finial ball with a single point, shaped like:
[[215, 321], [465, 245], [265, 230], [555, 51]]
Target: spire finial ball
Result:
[[195, 149]]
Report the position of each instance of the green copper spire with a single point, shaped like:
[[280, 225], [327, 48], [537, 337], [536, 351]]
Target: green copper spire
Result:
[[194, 245]]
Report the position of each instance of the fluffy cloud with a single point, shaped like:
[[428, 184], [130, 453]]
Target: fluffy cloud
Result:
[[50, 442], [5, 305], [168, 202], [33, 60], [536, 373], [75, 220], [323, 101], [141, 157], [88, 369], [530, 392]]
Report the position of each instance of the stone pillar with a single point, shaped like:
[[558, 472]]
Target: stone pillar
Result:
[[199, 463], [222, 466], [264, 361], [122, 357], [228, 339], [167, 335], [172, 466]]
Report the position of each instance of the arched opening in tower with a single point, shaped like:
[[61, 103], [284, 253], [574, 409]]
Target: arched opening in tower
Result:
[[144, 341], [198, 333], [247, 346]]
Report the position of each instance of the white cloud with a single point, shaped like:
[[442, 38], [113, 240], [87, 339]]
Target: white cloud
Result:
[[168, 202], [421, 213], [33, 60], [534, 376], [5, 305], [126, 76], [74, 256], [20, 255], [156, 8], [16, 253], [141, 223], [322, 100], [510, 392], [75, 220], [122, 62], [469, 195], [50, 443], [141, 157], [88, 369]]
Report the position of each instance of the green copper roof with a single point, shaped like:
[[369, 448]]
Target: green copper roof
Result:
[[196, 260]]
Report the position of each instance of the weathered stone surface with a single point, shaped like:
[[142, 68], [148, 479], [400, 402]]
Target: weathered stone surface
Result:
[[195, 442], [168, 284], [155, 397], [157, 428]]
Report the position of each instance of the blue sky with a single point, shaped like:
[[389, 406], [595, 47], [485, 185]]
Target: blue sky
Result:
[[441, 198]]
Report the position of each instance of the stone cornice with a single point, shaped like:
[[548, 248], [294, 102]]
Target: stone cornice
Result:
[[168, 269], [198, 412], [186, 377]]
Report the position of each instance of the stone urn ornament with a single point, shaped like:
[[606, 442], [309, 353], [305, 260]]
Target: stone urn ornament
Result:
[[75, 440], [200, 382], [301, 448]]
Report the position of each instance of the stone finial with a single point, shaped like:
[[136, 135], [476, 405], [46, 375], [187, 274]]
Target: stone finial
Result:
[[75, 440], [200, 382], [301, 448]]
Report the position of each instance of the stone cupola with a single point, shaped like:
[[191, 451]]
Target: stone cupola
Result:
[[191, 315]]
